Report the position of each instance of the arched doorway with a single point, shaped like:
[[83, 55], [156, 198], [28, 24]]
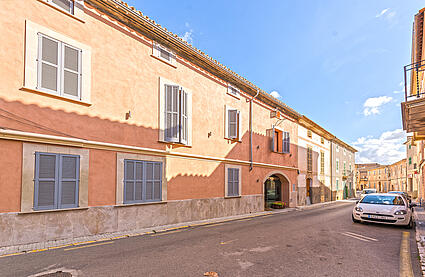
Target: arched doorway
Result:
[[276, 189], [308, 191]]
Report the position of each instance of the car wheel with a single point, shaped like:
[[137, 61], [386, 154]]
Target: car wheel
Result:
[[354, 220], [411, 223]]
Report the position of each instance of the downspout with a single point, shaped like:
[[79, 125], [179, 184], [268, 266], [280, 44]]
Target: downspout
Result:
[[332, 175], [250, 131]]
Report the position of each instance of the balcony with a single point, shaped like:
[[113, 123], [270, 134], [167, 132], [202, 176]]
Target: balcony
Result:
[[413, 108]]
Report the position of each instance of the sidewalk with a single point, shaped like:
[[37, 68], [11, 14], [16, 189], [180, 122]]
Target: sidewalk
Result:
[[43, 246], [420, 234]]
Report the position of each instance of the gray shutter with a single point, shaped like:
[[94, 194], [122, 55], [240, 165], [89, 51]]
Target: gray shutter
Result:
[[183, 117], [235, 181], [45, 181], [67, 5], [71, 71], [129, 181], [149, 190], [138, 181], [48, 64], [230, 181], [286, 142], [233, 123], [272, 148], [68, 181], [171, 113], [157, 181]]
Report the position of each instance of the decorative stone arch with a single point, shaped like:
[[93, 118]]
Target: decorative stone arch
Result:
[[280, 182]]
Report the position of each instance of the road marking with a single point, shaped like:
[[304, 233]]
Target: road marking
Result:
[[227, 242], [91, 245], [361, 236], [245, 219], [166, 233], [405, 262], [13, 254], [212, 225], [37, 250], [355, 237]]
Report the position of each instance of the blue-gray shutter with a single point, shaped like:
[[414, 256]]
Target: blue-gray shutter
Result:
[[149, 181], [138, 181], [183, 117], [232, 123], [128, 181], [45, 185], [286, 142], [68, 181], [236, 181], [157, 182], [172, 113], [230, 182], [142, 181]]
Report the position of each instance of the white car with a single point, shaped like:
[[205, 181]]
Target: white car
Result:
[[387, 208], [366, 192]]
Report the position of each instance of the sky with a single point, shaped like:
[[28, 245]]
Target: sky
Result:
[[340, 63]]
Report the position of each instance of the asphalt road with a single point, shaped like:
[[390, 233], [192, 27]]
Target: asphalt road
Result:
[[321, 242]]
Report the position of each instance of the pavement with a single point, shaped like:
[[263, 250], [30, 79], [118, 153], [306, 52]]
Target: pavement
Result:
[[420, 235], [309, 242]]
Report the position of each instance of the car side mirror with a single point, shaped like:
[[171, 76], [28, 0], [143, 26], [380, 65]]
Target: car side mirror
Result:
[[412, 205], [357, 202]]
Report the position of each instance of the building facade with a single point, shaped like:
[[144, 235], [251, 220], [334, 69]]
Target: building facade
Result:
[[343, 179], [362, 181], [111, 123]]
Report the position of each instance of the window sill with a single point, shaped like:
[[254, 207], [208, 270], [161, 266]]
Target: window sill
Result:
[[52, 211], [140, 204], [164, 61], [233, 140], [175, 143], [234, 96], [40, 92], [62, 11], [231, 197]]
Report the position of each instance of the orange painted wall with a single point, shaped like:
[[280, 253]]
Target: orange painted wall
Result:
[[10, 175], [102, 177]]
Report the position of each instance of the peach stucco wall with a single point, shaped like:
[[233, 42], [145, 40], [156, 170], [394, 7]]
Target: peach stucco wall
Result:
[[125, 77], [10, 175]]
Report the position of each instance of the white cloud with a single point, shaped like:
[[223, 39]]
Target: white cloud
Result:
[[401, 84], [386, 149], [381, 13], [275, 94], [372, 105], [188, 35]]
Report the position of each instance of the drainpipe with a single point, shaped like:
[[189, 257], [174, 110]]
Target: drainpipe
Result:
[[250, 131], [332, 175]]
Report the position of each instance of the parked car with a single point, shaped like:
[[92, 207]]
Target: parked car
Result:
[[367, 191], [386, 208], [405, 194]]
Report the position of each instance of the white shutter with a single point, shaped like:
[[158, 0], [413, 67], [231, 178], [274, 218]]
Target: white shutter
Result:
[[232, 124], [48, 64], [171, 113], [183, 117], [71, 71]]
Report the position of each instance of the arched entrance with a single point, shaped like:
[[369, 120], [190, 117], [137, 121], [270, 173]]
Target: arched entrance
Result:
[[276, 189], [308, 191]]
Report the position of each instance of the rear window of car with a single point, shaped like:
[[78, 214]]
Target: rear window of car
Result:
[[367, 191], [383, 200]]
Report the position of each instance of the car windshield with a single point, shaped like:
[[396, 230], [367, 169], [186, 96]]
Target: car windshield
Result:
[[383, 200], [398, 192], [367, 191]]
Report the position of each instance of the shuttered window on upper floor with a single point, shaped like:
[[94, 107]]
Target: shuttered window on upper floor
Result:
[[163, 53], [233, 128], [142, 181], [309, 159], [56, 181], [66, 5], [176, 114], [59, 67], [280, 141]]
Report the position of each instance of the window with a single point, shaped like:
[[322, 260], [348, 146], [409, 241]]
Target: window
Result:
[[322, 140], [233, 129], [337, 148], [233, 91], [337, 165], [410, 146], [59, 67], [414, 166], [309, 134], [337, 183], [142, 181], [233, 181], [344, 172], [410, 160], [66, 5], [322, 162], [56, 181], [163, 54], [280, 141], [176, 114], [309, 159]]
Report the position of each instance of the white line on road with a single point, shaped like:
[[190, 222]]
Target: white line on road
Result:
[[348, 235], [361, 236]]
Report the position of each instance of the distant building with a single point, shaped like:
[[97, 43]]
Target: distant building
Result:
[[362, 176]]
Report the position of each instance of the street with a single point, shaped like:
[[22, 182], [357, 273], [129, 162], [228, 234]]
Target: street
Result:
[[320, 242]]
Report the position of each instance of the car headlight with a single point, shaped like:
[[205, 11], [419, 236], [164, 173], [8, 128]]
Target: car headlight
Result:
[[400, 212], [358, 209]]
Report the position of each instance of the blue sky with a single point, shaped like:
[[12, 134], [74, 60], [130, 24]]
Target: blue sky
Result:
[[338, 62]]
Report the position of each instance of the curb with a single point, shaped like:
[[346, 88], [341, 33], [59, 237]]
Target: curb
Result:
[[420, 240], [50, 245]]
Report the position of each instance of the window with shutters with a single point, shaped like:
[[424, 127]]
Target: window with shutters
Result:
[[322, 162], [309, 134], [142, 181], [322, 140], [337, 165], [280, 141], [59, 67], [233, 180], [56, 181], [309, 159], [233, 124], [176, 114], [164, 54], [66, 5]]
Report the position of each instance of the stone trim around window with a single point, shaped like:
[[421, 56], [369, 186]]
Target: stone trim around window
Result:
[[120, 174], [226, 167], [28, 169]]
